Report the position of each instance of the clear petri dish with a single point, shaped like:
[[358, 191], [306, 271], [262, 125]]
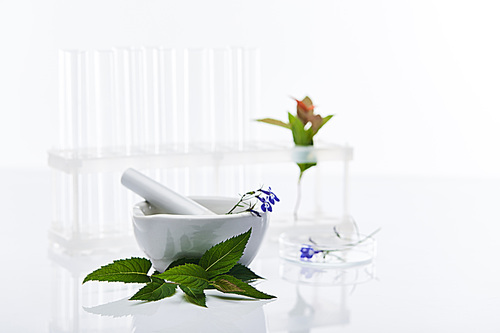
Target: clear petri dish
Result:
[[321, 246]]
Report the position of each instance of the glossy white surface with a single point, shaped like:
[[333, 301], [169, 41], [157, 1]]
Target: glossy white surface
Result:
[[165, 237], [436, 270]]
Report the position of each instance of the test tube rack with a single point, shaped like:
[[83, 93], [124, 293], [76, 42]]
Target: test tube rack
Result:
[[180, 116]]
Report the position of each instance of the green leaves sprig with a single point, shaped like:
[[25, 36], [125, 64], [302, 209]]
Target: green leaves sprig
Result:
[[304, 126], [218, 268]]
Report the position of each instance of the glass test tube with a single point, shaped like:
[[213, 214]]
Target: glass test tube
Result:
[[167, 95], [68, 99], [169, 109], [196, 94], [104, 105], [104, 101], [138, 117], [151, 98], [123, 116]]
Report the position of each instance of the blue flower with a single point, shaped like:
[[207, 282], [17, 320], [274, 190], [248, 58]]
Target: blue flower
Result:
[[266, 206], [307, 252], [270, 196]]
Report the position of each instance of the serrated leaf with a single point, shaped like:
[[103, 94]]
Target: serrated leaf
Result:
[[274, 122], [154, 278], [230, 284], [220, 258], [132, 270], [154, 291], [190, 275], [223, 284], [183, 261], [243, 273], [195, 296]]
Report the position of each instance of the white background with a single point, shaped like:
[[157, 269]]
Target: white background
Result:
[[414, 84]]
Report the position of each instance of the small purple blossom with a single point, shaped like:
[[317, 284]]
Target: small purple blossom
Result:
[[307, 252], [266, 206], [271, 196]]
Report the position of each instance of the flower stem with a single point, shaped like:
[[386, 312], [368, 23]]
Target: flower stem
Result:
[[244, 197], [234, 207]]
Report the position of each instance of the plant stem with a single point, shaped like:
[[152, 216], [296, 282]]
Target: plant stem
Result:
[[237, 205], [246, 196], [297, 201]]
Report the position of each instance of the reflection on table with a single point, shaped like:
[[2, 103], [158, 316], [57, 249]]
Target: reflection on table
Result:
[[315, 296], [308, 297]]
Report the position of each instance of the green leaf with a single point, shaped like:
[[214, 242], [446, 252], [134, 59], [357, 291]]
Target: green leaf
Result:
[[222, 257], [303, 167], [183, 261], [223, 283], [153, 276], [154, 291], [275, 122], [230, 284], [132, 270], [195, 296], [243, 273], [301, 136], [190, 275]]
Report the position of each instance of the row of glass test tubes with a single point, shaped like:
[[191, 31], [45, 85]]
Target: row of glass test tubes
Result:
[[131, 101], [144, 98]]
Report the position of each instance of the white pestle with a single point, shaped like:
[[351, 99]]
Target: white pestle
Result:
[[165, 199]]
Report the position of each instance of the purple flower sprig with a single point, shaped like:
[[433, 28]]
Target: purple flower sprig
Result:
[[249, 200], [307, 251]]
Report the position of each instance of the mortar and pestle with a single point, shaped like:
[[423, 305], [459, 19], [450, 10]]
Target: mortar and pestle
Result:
[[169, 226]]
